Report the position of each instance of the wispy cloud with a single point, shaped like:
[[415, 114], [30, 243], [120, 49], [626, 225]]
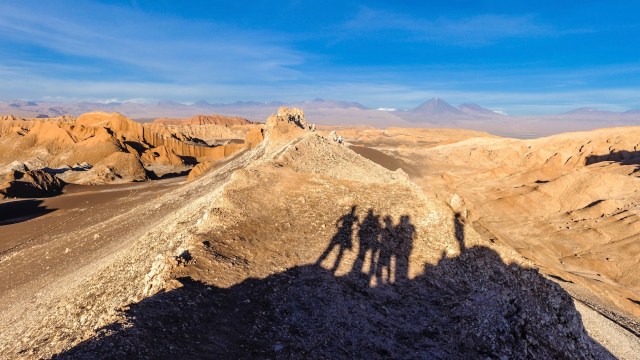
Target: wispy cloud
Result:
[[149, 47], [461, 31]]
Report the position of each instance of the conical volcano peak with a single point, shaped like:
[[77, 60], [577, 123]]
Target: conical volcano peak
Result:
[[435, 106]]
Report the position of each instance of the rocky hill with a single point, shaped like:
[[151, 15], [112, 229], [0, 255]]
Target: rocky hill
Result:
[[299, 248]]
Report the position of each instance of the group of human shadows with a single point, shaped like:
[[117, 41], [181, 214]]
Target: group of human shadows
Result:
[[384, 248]]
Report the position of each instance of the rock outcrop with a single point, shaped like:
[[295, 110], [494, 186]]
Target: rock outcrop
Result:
[[254, 137], [35, 183], [287, 125], [161, 155], [199, 170]]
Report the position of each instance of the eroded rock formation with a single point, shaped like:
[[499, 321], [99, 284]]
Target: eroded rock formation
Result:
[[96, 138], [205, 120]]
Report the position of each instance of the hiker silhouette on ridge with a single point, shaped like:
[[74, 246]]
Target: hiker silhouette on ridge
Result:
[[342, 239]]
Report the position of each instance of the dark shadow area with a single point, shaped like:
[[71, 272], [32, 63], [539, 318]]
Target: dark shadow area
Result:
[[471, 306], [189, 160], [138, 147], [384, 160], [18, 211], [592, 204], [64, 169], [236, 141], [624, 157], [192, 141], [24, 189], [634, 301], [153, 175]]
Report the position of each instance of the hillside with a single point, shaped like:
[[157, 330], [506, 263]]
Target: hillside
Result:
[[567, 202], [297, 248]]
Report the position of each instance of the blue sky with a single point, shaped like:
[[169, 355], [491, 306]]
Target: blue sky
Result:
[[522, 58]]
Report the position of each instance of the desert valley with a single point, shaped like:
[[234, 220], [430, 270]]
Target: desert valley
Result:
[[293, 180], [221, 237]]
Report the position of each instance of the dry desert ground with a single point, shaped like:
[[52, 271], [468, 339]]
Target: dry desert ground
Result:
[[216, 237]]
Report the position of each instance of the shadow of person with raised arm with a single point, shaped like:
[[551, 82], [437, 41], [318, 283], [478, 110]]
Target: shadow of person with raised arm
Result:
[[369, 233], [342, 239]]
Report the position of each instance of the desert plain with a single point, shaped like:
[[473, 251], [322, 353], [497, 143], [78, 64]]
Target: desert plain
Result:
[[220, 237]]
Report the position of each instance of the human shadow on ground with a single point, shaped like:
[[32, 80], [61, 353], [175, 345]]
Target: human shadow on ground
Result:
[[14, 212], [468, 306]]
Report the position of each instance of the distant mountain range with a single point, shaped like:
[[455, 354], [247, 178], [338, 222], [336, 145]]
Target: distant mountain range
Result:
[[435, 113], [474, 109], [439, 108]]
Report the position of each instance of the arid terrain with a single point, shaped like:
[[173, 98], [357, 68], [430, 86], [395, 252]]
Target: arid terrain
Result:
[[435, 113], [288, 240]]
